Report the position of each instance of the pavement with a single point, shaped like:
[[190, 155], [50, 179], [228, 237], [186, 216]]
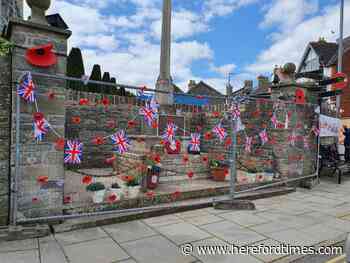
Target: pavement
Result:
[[303, 218]]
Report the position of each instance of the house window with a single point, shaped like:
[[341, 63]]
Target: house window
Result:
[[311, 62]]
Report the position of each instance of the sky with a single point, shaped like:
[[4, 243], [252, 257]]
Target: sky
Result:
[[210, 38]]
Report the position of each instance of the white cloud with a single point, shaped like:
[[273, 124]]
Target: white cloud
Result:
[[290, 44], [286, 14], [223, 70]]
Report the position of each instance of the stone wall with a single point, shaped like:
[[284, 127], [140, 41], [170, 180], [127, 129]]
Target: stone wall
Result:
[[5, 104], [39, 159]]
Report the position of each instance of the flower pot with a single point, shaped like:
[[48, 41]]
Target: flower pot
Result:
[[98, 196], [269, 177], [218, 174], [251, 178], [260, 177], [133, 191], [119, 192], [153, 177]]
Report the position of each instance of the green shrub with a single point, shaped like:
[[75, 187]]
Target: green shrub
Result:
[[95, 187]]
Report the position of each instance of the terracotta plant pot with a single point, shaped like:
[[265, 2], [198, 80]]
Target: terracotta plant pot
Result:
[[218, 174]]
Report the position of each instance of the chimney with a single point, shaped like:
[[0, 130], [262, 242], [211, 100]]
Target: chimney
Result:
[[191, 84], [263, 82], [248, 84]]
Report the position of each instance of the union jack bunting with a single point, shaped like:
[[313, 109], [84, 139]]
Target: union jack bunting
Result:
[[169, 134], [274, 121], [263, 136], [248, 144], [121, 141], [73, 152], [316, 130], [26, 88], [41, 127], [195, 142], [220, 132], [149, 114], [236, 113], [292, 139]]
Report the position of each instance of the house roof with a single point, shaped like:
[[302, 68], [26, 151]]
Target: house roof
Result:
[[325, 50], [177, 89], [334, 59], [197, 89]]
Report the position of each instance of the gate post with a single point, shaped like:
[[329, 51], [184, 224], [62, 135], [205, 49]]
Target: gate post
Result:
[[38, 159]]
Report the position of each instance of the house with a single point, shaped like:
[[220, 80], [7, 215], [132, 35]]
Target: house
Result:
[[203, 89], [321, 58]]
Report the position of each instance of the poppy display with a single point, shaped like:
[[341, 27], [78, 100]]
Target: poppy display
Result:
[[299, 96], [41, 56]]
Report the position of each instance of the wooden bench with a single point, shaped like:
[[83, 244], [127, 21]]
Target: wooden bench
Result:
[[330, 159]]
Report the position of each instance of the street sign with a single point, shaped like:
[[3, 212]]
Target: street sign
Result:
[[341, 80], [331, 93]]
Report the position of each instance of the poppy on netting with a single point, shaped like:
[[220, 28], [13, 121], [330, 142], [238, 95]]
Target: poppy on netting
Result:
[[111, 124], [76, 120], [51, 95], [256, 113], [112, 198], [226, 171], [205, 159], [199, 128], [98, 140], [59, 144], [154, 124], [140, 140], [220, 157], [35, 200], [83, 102], [190, 174], [131, 124], [105, 102], [67, 199], [216, 114], [299, 96], [228, 142], [110, 160], [43, 179], [150, 194], [208, 136], [185, 159], [157, 158], [127, 178], [273, 141], [176, 195], [87, 180], [162, 142]]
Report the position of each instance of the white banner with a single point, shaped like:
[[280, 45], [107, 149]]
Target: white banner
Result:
[[329, 127]]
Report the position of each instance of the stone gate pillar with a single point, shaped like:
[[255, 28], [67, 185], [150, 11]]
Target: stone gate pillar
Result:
[[39, 159]]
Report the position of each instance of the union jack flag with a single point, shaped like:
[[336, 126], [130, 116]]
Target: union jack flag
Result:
[[248, 144], [195, 142], [141, 92], [41, 127], [26, 88], [220, 132], [149, 114], [73, 152], [121, 141], [154, 104], [263, 136], [169, 134], [316, 130]]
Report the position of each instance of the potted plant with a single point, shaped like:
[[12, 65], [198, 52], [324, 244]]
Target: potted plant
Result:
[[151, 179], [98, 191], [133, 187], [117, 190], [218, 170]]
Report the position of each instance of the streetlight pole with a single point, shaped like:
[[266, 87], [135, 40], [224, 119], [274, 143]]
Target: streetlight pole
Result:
[[340, 50]]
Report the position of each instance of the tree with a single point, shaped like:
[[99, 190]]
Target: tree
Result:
[[75, 69], [95, 75], [106, 78]]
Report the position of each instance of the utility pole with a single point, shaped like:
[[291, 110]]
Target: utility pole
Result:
[[340, 50]]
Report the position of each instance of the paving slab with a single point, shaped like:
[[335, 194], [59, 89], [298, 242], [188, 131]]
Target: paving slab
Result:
[[78, 236], [129, 231], [203, 220], [220, 258], [322, 232], [183, 233], [233, 233], [194, 213], [156, 249], [163, 220], [95, 251], [29, 244], [50, 251], [245, 219], [293, 237], [29, 256], [270, 227]]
